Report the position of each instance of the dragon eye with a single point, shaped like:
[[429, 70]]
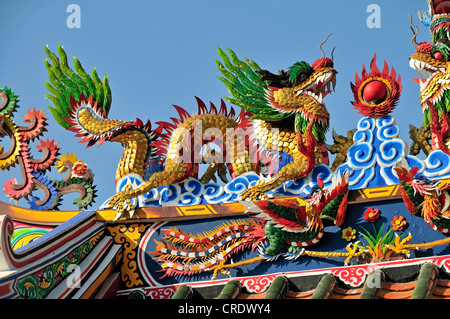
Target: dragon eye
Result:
[[441, 50], [299, 72], [303, 75], [438, 55]]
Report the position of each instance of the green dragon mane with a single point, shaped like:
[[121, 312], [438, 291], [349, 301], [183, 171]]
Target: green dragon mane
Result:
[[295, 69], [65, 82], [244, 85]]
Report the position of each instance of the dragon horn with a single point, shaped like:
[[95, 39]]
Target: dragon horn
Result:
[[416, 33], [323, 53]]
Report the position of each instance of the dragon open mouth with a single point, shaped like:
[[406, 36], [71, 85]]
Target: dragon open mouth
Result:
[[426, 71], [320, 87]]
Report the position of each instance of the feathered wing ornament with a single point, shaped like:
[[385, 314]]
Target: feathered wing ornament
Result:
[[411, 198], [421, 195], [285, 213], [290, 214], [292, 223], [333, 205], [444, 198], [288, 226]]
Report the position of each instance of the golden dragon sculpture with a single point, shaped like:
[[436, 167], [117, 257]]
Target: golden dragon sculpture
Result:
[[282, 115]]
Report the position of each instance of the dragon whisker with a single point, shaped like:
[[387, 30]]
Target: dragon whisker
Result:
[[416, 33], [320, 47]]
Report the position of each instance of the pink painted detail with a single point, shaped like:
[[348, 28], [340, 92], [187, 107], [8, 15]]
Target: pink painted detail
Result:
[[257, 284], [353, 275], [161, 292], [442, 261]]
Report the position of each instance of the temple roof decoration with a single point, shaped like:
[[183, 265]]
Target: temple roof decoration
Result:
[[231, 204]]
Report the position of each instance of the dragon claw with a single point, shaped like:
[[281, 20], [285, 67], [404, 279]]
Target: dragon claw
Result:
[[222, 271], [254, 193], [260, 181], [121, 204]]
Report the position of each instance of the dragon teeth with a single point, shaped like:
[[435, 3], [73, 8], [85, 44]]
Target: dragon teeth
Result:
[[330, 85], [424, 69], [424, 73]]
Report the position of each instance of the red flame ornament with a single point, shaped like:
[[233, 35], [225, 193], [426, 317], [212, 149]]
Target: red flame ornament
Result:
[[376, 93]]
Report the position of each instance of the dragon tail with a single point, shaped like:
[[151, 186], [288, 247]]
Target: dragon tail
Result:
[[81, 105], [81, 102], [65, 83]]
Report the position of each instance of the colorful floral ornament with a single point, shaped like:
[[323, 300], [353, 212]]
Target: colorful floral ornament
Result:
[[398, 222], [376, 93], [33, 170], [66, 161], [371, 214], [349, 234], [79, 169]]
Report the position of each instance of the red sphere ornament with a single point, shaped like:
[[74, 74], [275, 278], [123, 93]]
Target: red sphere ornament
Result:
[[375, 91]]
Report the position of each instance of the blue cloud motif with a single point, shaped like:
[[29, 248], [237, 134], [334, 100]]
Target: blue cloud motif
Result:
[[192, 192], [414, 161], [437, 165], [376, 150], [370, 161]]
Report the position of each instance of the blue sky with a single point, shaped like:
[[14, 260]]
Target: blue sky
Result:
[[160, 53]]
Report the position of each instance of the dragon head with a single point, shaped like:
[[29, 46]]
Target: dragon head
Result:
[[306, 89], [296, 94], [431, 61], [301, 91], [422, 185]]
